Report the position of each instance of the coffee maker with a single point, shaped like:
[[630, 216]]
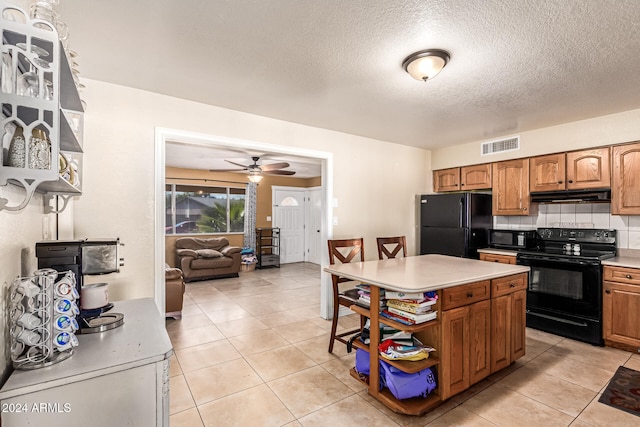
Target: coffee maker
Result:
[[85, 257]]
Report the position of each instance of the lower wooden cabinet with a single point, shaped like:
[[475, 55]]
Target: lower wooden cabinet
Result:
[[465, 355], [504, 259], [508, 320], [621, 308]]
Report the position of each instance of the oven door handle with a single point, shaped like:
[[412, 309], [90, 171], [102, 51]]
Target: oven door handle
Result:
[[557, 260]]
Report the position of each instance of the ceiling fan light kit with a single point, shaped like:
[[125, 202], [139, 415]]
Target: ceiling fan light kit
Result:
[[255, 176], [426, 64], [256, 171]]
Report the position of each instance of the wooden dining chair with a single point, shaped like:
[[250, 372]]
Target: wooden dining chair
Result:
[[344, 251], [395, 245]]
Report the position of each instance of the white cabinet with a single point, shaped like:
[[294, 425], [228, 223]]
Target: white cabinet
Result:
[[114, 378]]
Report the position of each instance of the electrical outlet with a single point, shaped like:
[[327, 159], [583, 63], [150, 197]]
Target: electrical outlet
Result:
[[269, 218], [45, 228], [335, 220]]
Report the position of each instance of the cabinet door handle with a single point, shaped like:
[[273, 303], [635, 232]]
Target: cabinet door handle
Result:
[[495, 260], [470, 295], [559, 182], [570, 181], [628, 276], [512, 285], [607, 291]]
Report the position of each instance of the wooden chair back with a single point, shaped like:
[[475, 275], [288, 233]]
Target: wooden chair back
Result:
[[400, 243], [356, 245]]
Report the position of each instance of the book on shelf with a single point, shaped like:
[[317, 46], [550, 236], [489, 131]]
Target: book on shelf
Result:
[[400, 319], [416, 318], [412, 307]]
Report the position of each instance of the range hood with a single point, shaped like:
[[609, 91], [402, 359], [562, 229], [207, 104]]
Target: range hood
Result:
[[602, 195]]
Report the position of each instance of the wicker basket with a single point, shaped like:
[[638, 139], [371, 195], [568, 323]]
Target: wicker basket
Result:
[[247, 267]]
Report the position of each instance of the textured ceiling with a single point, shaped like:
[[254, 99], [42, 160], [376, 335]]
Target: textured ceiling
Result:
[[515, 65]]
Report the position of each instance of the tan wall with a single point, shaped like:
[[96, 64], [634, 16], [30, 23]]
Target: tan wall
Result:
[[605, 130], [375, 181], [234, 180]]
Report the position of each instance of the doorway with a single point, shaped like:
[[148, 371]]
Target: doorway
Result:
[[164, 135]]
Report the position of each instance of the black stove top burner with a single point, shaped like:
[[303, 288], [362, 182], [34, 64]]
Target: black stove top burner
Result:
[[574, 244]]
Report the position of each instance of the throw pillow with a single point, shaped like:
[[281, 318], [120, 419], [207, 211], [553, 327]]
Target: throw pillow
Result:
[[208, 253]]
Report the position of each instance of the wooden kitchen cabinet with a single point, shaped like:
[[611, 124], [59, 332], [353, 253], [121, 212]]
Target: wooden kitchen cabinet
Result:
[[446, 180], [621, 308], [466, 328], [503, 259], [625, 194], [547, 173], [476, 177], [511, 187], [589, 169], [508, 320], [576, 170]]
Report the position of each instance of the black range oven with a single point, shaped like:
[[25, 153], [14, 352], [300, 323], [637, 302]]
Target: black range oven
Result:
[[564, 296]]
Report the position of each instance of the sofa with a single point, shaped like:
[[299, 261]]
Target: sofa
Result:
[[201, 259], [174, 292]]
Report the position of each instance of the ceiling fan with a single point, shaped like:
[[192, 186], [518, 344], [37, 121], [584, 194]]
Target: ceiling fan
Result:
[[257, 171]]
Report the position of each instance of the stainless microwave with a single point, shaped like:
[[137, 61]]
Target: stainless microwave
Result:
[[512, 239]]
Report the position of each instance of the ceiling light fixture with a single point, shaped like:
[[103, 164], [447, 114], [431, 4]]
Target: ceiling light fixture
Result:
[[255, 176], [426, 64]]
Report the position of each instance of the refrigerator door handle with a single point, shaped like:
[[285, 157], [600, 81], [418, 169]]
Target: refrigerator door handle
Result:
[[461, 212]]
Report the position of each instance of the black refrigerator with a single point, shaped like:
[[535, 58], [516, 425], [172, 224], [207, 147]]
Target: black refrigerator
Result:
[[454, 224]]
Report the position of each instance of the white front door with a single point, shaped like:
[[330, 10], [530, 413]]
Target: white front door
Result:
[[288, 215]]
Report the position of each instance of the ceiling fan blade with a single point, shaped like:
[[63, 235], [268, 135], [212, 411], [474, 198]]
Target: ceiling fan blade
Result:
[[237, 164], [278, 172], [227, 170], [274, 166]]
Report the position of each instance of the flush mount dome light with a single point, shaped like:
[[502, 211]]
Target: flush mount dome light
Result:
[[426, 64]]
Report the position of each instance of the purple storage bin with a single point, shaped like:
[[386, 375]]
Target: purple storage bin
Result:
[[403, 385], [362, 361]]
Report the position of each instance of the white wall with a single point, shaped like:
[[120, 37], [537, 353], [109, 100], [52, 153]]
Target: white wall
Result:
[[605, 130], [596, 215], [19, 231], [375, 182]]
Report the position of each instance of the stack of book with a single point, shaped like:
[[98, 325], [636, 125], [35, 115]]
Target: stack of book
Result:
[[388, 333], [364, 296], [410, 308]]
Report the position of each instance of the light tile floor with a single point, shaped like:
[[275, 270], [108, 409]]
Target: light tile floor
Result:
[[252, 351]]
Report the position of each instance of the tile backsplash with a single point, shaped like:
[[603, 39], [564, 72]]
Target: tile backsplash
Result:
[[589, 215]]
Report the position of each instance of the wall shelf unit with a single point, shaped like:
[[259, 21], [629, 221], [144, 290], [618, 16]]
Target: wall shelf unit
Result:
[[39, 96]]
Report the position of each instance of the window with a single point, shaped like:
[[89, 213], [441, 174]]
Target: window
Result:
[[198, 209]]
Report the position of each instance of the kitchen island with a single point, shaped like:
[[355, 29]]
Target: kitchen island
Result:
[[479, 329], [114, 378]]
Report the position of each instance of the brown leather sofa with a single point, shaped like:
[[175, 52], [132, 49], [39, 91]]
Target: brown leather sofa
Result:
[[211, 258], [174, 292]]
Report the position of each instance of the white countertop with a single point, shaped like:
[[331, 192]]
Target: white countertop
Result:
[[423, 273], [142, 339]]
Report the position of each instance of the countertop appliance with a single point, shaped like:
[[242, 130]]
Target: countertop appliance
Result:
[[564, 296], [512, 239], [85, 257], [454, 224]]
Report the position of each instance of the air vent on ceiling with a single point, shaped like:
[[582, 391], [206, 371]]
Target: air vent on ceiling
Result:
[[500, 146]]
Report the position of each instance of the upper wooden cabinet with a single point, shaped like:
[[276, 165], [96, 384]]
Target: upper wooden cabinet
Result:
[[476, 177], [625, 196], [511, 187], [446, 180], [589, 169], [576, 170], [547, 173]]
